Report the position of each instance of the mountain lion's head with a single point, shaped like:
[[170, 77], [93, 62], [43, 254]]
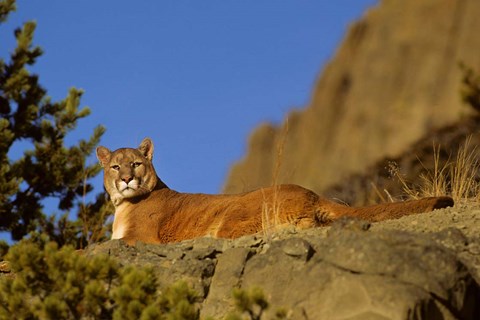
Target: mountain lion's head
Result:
[[128, 172]]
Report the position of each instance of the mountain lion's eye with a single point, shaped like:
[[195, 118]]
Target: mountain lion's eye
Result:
[[136, 164], [115, 167]]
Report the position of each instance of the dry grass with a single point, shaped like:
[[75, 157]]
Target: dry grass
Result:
[[270, 214], [457, 178], [436, 183], [464, 180], [271, 209]]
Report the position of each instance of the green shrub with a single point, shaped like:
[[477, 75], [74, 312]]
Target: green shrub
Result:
[[53, 283]]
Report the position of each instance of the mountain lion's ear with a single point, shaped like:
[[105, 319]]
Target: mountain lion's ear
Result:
[[146, 148], [103, 155]]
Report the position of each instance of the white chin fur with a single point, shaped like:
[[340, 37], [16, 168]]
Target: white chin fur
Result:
[[128, 190], [127, 193]]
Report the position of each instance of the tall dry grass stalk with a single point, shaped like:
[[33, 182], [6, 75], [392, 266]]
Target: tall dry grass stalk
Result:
[[436, 183], [270, 216], [271, 207], [464, 174]]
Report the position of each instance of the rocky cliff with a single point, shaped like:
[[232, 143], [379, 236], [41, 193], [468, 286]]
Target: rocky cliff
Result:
[[394, 78], [423, 266]]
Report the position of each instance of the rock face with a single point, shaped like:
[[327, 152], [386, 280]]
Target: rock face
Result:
[[428, 270], [394, 77]]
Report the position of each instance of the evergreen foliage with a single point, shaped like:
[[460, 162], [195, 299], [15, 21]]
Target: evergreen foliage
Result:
[[49, 168], [53, 283]]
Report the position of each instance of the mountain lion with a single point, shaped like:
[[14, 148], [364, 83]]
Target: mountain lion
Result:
[[147, 210]]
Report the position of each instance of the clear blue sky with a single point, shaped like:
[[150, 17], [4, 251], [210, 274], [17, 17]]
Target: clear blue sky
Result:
[[195, 76]]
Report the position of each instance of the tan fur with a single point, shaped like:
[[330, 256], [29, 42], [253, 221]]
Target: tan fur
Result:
[[148, 211]]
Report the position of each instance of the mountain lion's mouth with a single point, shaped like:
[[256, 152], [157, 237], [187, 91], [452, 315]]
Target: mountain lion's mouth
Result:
[[130, 187]]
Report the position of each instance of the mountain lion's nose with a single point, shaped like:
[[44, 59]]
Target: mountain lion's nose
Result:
[[127, 179]]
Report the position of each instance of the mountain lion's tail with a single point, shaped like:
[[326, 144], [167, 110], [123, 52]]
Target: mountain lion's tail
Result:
[[396, 210]]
